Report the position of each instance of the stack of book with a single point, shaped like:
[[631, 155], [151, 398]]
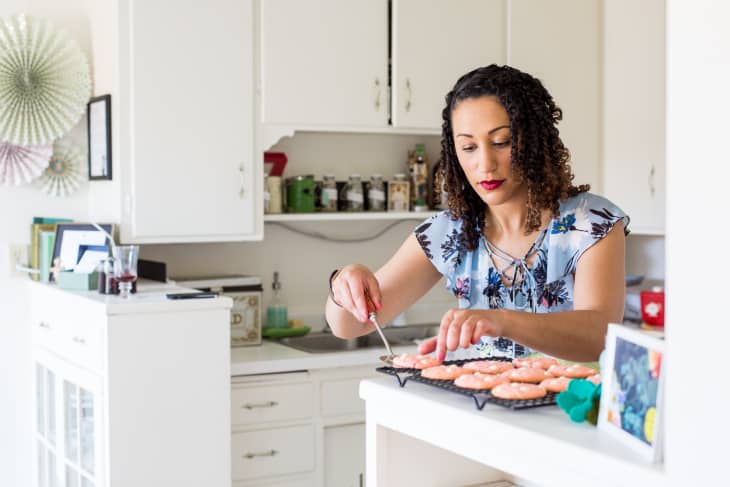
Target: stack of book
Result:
[[42, 240]]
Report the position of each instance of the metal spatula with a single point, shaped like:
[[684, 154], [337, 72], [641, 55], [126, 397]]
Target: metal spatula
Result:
[[388, 359]]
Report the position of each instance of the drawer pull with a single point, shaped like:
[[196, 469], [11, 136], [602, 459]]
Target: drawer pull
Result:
[[269, 453], [268, 404], [45, 325], [79, 340]]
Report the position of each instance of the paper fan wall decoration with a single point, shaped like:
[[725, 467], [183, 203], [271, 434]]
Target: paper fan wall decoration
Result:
[[63, 174], [19, 165], [44, 81]]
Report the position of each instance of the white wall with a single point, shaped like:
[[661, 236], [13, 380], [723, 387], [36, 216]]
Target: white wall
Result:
[[697, 324]]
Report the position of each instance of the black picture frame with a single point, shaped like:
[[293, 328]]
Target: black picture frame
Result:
[[58, 245], [99, 132]]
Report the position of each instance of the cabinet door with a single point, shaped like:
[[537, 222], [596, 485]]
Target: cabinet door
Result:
[[434, 43], [634, 113], [46, 431], [187, 129], [324, 62], [559, 42], [344, 456]]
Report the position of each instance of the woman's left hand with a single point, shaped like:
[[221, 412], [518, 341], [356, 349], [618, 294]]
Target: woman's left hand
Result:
[[461, 328]]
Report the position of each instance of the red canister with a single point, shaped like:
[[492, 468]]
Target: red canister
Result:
[[652, 306]]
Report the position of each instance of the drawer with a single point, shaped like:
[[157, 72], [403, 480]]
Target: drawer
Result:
[[265, 403], [277, 451]]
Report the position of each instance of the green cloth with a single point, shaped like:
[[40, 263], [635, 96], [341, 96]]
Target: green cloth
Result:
[[581, 400]]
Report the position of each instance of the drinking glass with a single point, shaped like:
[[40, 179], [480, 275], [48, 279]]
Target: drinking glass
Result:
[[125, 267]]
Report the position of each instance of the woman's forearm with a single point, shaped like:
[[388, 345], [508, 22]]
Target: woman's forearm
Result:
[[571, 335], [343, 323]]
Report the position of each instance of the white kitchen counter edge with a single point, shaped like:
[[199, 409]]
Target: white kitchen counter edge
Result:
[[271, 357], [537, 444]]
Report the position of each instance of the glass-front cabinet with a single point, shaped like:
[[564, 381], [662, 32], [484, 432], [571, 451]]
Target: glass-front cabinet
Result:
[[68, 424]]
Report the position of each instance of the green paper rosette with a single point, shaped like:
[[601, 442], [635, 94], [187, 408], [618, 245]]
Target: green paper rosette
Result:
[[45, 82], [63, 175]]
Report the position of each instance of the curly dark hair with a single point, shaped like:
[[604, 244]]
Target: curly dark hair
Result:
[[538, 155]]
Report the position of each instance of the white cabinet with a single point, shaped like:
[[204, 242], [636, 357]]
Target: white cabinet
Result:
[[559, 42], [189, 168], [434, 43], [344, 456], [324, 62], [634, 111], [118, 387]]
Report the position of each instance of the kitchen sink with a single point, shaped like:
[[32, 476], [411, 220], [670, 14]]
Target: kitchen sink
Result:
[[326, 342]]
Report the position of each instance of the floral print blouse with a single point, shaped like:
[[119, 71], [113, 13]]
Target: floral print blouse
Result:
[[488, 278]]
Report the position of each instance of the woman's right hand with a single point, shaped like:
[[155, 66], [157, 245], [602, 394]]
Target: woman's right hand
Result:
[[356, 289]]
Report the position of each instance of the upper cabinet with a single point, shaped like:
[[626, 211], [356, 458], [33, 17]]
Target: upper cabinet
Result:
[[435, 42], [324, 63], [189, 168], [559, 42], [634, 110]]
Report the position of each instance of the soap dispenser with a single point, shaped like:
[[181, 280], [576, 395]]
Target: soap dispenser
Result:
[[276, 313]]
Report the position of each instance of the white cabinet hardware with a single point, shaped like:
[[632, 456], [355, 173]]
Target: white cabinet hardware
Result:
[[269, 453], [269, 404]]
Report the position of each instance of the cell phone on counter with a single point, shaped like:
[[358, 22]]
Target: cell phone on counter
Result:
[[201, 295]]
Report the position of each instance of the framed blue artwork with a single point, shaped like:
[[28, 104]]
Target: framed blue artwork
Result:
[[632, 389]]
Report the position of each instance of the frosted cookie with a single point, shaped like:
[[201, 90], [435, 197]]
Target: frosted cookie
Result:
[[489, 366], [527, 374], [405, 360], [444, 372], [535, 362], [425, 362], [573, 371], [516, 390], [556, 384], [481, 381], [596, 378]]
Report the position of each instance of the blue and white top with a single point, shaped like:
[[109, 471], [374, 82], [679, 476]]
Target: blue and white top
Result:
[[489, 278]]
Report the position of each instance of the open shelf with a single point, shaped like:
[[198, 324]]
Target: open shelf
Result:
[[345, 216]]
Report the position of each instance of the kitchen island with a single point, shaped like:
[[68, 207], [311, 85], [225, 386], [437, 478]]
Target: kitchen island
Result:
[[420, 435]]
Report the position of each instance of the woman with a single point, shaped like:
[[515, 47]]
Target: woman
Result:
[[535, 262]]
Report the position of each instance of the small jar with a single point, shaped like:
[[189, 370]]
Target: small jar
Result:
[[328, 195], [353, 196], [111, 284], [300, 194], [398, 193], [376, 193]]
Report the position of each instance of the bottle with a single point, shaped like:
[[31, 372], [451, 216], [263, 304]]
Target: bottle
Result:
[[439, 201], [276, 313], [419, 179], [398, 193], [376, 193], [354, 200], [328, 196]]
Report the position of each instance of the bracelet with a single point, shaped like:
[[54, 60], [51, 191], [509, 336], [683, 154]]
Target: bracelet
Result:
[[332, 294]]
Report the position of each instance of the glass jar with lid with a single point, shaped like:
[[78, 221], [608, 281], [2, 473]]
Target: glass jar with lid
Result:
[[352, 194], [398, 193], [328, 195], [376, 193]]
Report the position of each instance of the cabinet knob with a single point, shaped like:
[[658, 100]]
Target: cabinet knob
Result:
[[409, 94], [45, 325], [376, 89], [254, 405], [269, 453], [79, 340], [652, 189], [241, 192]]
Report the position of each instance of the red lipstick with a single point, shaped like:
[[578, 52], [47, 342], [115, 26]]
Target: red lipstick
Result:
[[491, 184]]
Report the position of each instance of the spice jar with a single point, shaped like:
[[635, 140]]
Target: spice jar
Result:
[[353, 196], [398, 193], [328, 194], [300, 194], [376, 193]]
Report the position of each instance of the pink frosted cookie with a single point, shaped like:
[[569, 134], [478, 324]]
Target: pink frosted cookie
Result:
[[573, 371], [556, 384], [516, 390], [535, 362], [527, 374], [478, 380], [489, 366], [596, 378], [425, 362], [405, 360], [444, 372]]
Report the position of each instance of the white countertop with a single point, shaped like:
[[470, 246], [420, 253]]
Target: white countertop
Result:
[[271, 357], [537, 444]]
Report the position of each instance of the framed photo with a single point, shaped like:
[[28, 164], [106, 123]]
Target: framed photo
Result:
[[632, 389], [79, 247], [99, 128]]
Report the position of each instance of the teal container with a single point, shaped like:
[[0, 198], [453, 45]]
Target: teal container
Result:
[[300, 194]]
